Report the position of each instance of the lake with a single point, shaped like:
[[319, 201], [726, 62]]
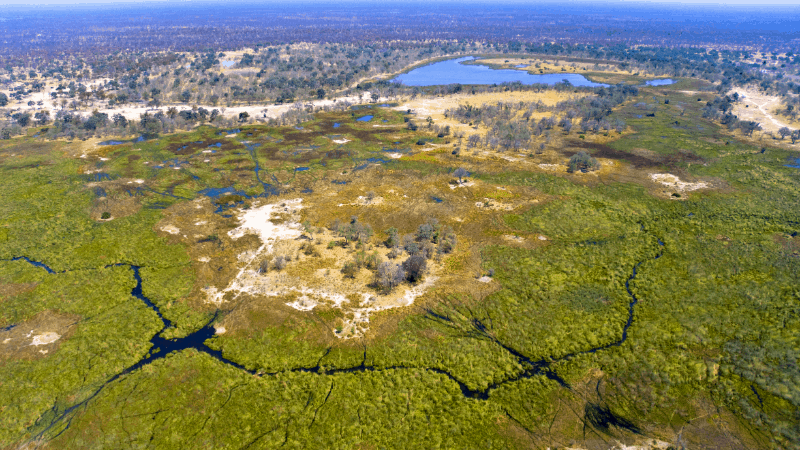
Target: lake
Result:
[[452, 71]]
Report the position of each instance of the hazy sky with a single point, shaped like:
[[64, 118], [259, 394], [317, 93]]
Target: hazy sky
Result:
[[596, 3]]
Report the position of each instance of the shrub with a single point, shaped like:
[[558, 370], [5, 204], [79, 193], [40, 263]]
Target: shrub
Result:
[[263, 266], [582, 161], [350, 269], [414, 267], [105, 215], [280, 262]]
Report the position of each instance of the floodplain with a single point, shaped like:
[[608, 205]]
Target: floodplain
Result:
[[235, 287]]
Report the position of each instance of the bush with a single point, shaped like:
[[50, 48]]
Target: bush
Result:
[[583, 162], [106, 215], [280, 263], [350, 269]]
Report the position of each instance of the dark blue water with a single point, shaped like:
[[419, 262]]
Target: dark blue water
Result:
[[302, 169], [436, 199], [364, 119], [661, 82], [796, 164], [216, 193], [452, 71]]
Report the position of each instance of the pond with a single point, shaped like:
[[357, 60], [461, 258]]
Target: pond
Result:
[[364, 119], [452, 71], [661, 82], [796, 164]]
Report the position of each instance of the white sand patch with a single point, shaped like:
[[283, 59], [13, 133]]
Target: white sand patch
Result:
[[6, 340], [45, 338], [208, 151], [356, 325], [219, 329], [395, 155], [512, 238], [341, 141], [670, 180], [463, 184], [204, 259], [200, 222], [171, 229], [280, 283], [214, 295], [551, 166], [103, 159], [541, 238], [485, 279], [257, 221], [510, 158]]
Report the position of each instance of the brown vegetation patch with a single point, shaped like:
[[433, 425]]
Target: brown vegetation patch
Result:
[[117, 206], [8, 290], [37, 336], [641, 158]]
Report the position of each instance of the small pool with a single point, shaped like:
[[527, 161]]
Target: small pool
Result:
[[336, 125], [437, 199], [111, 143], [302, 169], [364, 118], [661, 82], [796, 164]]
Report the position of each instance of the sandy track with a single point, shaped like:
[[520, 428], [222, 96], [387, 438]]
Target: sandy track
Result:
[[758, 110]]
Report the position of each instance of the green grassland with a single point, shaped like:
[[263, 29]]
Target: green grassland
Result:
[[640, 317]]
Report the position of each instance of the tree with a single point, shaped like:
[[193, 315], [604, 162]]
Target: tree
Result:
[[42, 117], [243, 116], [3, 99], [389, 275], [375, 96], [186, 96], [119, 120], [460, 173], [414, 267], [23, 119], [785, 131], [320, 93], [795, 136]]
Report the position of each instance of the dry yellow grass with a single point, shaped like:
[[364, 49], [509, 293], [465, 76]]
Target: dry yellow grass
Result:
[[435, 107]]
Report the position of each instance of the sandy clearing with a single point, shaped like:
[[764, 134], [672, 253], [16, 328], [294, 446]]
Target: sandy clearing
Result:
[[45, 338], [171, 229], [670, 180], [759, 108]]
